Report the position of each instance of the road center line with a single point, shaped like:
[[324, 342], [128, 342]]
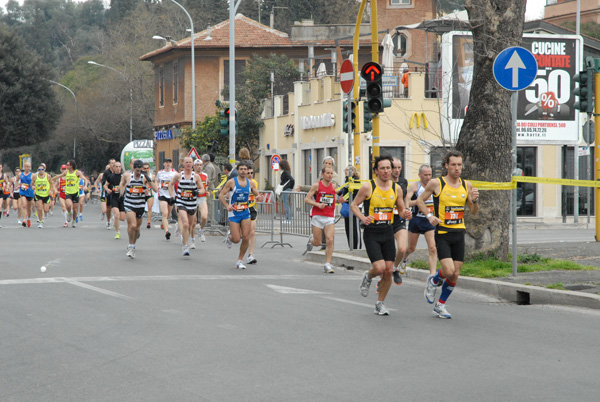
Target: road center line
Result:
[[352, 302]]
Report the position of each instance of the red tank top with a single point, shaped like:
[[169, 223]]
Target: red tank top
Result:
[[204, 179], [325, 195]]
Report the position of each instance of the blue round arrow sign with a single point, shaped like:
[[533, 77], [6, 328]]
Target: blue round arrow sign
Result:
[[515, 68]]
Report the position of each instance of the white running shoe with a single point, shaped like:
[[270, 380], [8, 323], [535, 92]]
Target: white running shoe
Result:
[[193, 244], [440, 311], [430, 290], [228, 241], [186, 250], [202, 237], [380, 309], [402, 267], [240, 265], [69, 217], [328, 268], [131, 251], [107, 225], [251, 259], [41, 225], [365, 284]]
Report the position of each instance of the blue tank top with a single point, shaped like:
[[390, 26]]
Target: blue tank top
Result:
[[239, 197], [26, 189]]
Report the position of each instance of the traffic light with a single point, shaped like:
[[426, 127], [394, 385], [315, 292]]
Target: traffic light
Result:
[[367, 117], [585, 94], [373, 74], [224, 121], [352, 116]]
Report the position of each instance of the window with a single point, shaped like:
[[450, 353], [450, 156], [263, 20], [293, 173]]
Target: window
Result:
[[175, 159], [400, 41], [436, 155], [175, 83], [161, 160], [161, 86], [307, 159], [568, 191], [400, 2], [333, 152], [527, 192]]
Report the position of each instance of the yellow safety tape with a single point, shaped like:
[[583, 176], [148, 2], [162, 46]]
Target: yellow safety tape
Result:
[[562, 182]]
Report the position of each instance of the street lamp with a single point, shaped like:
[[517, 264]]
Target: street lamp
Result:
[[193, 67], [130, 96], [165, 38], [76, 109]]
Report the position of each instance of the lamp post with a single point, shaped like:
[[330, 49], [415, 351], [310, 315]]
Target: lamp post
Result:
[[232, 129], [130, 96], [193, 66], [76, 109]]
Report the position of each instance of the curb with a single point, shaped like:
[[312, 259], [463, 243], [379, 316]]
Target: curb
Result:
[[515, 293]]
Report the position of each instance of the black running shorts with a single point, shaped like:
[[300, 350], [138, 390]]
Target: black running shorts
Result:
[[450, 245], [380, 243]]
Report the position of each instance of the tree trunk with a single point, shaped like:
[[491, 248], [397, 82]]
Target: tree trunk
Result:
[[486, 137]]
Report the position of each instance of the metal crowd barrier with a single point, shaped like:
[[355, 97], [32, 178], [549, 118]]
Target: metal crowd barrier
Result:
[[217, 216], [292, 213]]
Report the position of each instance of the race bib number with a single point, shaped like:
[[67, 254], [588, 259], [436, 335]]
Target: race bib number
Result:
[[24, 186], [383, 215], [187, 194], [252, 198], [42, 187], [136, 190], [164, 184], [71, 182], [327, 199], [454, 215], [240, 206]]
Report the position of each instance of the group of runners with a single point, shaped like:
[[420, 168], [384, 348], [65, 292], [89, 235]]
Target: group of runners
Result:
[[393, 216], [36, 193]]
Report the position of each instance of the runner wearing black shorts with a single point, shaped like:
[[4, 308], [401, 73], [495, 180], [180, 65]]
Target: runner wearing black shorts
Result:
[[450, 196], [379, 197]]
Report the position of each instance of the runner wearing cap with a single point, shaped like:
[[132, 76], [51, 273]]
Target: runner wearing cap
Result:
[[202, 199], [43, 185], [163, 178], [72, 176]]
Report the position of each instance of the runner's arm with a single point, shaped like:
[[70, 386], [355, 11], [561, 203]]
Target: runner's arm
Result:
[[310, 197], [473, 198], [400, 204], [431, 188], [361, 196], [409, 193], [174, 180], [228, 186]]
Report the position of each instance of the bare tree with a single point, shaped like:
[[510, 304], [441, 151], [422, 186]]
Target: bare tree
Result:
[[485, 137]]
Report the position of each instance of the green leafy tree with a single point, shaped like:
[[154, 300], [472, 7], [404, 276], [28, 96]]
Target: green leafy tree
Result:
[[28, 108], [590, 29], [206, 138]]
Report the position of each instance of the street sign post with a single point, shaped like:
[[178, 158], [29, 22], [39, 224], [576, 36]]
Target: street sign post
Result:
[[275, 162], [193, 153], [347, 83], [515, 68]]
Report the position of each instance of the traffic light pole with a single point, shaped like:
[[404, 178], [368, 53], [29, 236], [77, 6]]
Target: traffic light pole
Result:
[[232, 128], [350, 131], [597, 143], [356, 90], [375, 58]]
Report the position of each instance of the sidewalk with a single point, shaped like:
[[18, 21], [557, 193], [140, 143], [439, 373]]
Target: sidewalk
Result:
[[526, 288]]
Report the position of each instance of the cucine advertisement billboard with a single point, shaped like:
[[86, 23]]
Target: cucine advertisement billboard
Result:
[[545, 109]]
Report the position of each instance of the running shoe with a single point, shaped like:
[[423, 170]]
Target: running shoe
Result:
[[167, 235], [328, 268], [131, 251], [402, 267], [177, 232], [323, 247], [41, 225], [107, 225], [240, 265], [80, 217], [202, 237], [251, 259], [228, 241], [28, 223], [69, 217], [380, 309], [148, 225], [365, 284], [18, 220], [309, 245], [24, 224], [118, 235], [430, 290], [440, 311], [66, 225], [76, 219], [397, 277], [73, 224], [186, 250], [193, 244]]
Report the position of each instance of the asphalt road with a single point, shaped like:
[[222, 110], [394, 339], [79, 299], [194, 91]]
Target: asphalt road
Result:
[[100, 327]]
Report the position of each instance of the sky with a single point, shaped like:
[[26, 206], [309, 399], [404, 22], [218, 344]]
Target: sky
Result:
[[534, 8]]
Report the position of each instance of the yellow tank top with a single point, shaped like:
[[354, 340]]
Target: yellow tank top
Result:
[[72, 183], [42, 186], [252, 198], [449, 206], [380, 205]]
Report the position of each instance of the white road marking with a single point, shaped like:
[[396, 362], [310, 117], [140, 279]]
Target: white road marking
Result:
[[353, 302], [99, 290], [294, 291]]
